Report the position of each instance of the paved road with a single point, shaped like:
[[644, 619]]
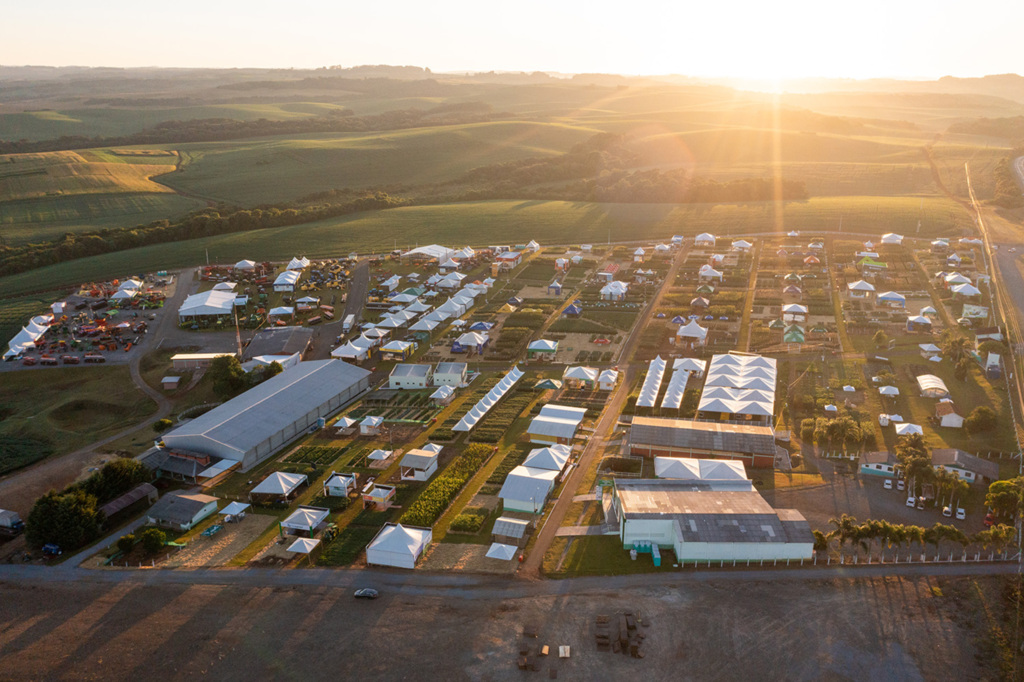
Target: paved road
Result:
[[604, 428], [471, 586], [325, 335]]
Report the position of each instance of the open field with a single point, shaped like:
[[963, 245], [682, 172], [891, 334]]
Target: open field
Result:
[[274, 169], [57, 411], [111, 121], [32, 176], [491, 222], [895, 628], [33, 220]]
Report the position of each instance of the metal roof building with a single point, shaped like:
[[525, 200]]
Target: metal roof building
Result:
[[279, 341], [658, 437], [707, 520], [254, 425]]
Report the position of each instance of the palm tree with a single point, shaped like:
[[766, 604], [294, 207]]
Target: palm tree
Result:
[[914, 534], [955, 345], [845, 527], [958, 489]]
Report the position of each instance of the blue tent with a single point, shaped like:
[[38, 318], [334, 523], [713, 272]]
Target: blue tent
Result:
[[660, 315], [572, 311], [480, 326], [515, 301], [678, 319], [578, 302], [457, 347]]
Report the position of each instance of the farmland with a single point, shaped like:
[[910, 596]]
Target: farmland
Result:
[[490, 221]]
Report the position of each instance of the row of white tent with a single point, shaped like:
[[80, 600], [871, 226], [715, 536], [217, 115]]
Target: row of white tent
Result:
[[477, 412], [749, 383], [26, 338], [652, 383]]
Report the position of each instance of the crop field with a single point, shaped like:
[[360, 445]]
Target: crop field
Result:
[[32, 176], [277, 169], [47, 124], [34, 220], [492, 221]]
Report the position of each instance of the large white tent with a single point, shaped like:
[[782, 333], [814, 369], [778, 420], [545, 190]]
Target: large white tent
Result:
[[306, 518], [551, 458], [692, 330], [398, 545], [908, 429], [471, 418], [303, 545], [652, 383], [501, 551], [685, 468], [676, 388], [245, 265], [279, 483], [300, 263], [932, 386], [432, 251], [206, 304], [287, 280]]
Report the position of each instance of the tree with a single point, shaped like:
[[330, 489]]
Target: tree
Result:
[[162, 425], [125, 543], [991, 346], [1006, 498], [820, 541], [980, 420], [227, 376], [272, 370], [955, 345], [880, 339], [961, 368], [152, 540], [845, 528], [69, 519]]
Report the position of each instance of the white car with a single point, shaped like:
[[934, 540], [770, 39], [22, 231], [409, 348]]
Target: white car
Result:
[[901, 484], [887, 484], [947, 511], [961, 513], [911, 501]]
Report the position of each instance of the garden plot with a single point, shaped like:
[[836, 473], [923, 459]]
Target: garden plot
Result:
[[203, 552]]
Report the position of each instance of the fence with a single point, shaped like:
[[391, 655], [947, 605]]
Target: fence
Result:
[[993, 557]]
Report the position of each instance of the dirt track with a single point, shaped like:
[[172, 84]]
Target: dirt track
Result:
[[884, 628]]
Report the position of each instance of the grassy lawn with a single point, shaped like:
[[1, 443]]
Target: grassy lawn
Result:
[[54, 411], [600, 555]]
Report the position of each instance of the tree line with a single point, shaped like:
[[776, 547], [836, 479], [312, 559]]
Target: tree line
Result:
[[846, 529], [204, 223]]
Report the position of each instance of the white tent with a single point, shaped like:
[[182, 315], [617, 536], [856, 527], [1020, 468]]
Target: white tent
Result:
[[432, 251], [708, 272], [892, 296], [932, 386], [424, 325], [551, 458], [652, 383], [306, 518], [474, 339], [954, 278], [380, 455], [861, 286], [587, 374], [908, 429], [888, 390], [281, 311], [741, 245], [279, 483], [234, 509], [704, 239], [298, 263], [526, 490], [208, 303], [794, 309], [398, 545], [303, 545], [356, 349], [692, 330], [691, 469], [613, 291], [504, 552], [130, 285], [892, 238], [224, 286], [690, 364], [967, 290], [543, 345], [123, 294], [286, 280], [245, 265], [676, 388], [471, 418], [442, 393]]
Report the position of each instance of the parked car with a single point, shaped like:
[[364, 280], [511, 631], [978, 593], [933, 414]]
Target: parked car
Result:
[[366, 593], [961, 513], [911, 501], [920, 503], [901, 484], [947, 510], [887, 484], [990, 520]]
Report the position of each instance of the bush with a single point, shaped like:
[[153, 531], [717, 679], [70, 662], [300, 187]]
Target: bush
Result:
[[807, 430], [980, 420], [162, 425], [125, 543], [152, 540], [468, 522], [69, 519]]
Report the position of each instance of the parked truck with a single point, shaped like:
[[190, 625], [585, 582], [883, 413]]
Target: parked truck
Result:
[[350, 321], [10, 523]]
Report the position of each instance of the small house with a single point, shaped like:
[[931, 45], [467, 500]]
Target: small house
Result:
[[946, 413], [410, 376], [417, 465], [526, 490], [511, 531], [580, 377], [170, 383], [639, 255], [339, 485], [607, 379], [181, 511], [614, 291], [704, 239], [370, 425], [968, 467], [450, 374], [398, 546], [542, 349]]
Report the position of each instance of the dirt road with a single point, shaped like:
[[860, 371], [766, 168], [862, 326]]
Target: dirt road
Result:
[[879, 628]]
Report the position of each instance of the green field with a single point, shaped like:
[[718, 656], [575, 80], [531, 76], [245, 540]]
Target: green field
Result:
[[275, 169], [492, 222], [113, 121], [54, 411], [35, 220], [33, 176]]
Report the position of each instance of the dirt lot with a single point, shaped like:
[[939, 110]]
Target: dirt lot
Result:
[[895, 629], [222, 547]]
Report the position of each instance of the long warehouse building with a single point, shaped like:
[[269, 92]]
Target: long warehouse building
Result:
[[253, 426]]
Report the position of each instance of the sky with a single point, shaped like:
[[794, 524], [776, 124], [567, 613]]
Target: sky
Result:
[[709, 38]]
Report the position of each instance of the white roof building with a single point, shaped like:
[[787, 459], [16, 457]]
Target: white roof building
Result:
[[556, 424], [892, 238], [704, 239], [652, 383], [527, 490], [685, 468], [280, 483], [245, 265], [287, 280], [551, 458]]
